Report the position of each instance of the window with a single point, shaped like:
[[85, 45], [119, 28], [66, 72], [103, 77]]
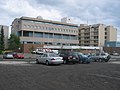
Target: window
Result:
[[58, 36], [19, 33], [50, 35], [39, 27], [38, 34], [28, 33], [66, 37], [50, 29], [73, 38], [105, 33], [46, 35]]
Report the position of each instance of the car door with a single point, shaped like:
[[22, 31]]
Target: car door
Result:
[[98, 55], [44, 58], [39, 59]]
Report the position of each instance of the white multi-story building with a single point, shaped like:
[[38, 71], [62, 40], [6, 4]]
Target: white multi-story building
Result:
[[96, 35], [45, 32]]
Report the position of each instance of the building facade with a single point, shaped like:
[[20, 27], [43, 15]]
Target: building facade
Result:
[[96, 35], [45, 32], [6, 34], [112, 44]]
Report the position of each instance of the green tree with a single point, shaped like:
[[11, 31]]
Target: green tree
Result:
[[14, 42], [2, 46]]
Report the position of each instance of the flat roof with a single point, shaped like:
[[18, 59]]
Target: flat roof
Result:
[[49, 21]]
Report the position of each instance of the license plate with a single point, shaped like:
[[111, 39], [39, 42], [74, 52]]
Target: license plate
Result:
[[74, 58], [57, 58]]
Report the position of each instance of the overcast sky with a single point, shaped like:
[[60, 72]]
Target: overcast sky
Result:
[[80, 11]]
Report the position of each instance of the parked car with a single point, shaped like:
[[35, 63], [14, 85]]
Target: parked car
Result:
[[49, 58], [8, 55], [83, 58], [115, 54], [33, 52], [100, 57], [69, 57], [18, 55]]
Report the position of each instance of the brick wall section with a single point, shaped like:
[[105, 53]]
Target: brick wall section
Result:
[[27, 48]]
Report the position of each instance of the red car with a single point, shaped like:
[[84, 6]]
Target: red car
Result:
[[19, 55]]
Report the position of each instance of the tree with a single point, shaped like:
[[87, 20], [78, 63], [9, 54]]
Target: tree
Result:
[[14, 42], [2, 45]]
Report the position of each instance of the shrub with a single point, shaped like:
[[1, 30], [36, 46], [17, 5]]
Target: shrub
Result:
[[0, 51]]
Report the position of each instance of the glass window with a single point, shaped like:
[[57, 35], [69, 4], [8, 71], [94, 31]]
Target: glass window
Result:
[[66, 37], [28, 33], [50, 29], [50, 35], [38, 34], [58, 36], [73, 37], [39, 27], [46, 35], [53, 55]]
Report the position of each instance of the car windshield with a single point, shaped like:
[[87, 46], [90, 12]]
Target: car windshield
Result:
[[8, 53], [82, 54], [73, 54], [53, 55]]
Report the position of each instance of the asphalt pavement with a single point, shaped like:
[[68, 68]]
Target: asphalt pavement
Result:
[[22, 75]]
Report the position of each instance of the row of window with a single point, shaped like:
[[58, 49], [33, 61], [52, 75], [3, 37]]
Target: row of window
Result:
[[47, 35], [50, 28]]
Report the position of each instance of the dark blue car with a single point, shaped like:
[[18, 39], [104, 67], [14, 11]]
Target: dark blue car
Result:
[[83, 58]]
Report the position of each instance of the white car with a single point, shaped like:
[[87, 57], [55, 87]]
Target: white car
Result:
[[8, 55], [49, 58]]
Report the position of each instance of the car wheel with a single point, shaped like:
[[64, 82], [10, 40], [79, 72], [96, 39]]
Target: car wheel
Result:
[[95, 60], [80, 62], [106, 60], [74, 62], [100, 60], [47, 63], [37, 61], [88, 62]]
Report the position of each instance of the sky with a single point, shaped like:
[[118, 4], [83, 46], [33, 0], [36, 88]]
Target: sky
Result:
[[80, 11]]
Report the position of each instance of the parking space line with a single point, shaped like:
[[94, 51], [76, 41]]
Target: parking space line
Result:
[[115, 62], [14, 63], [105, 76]]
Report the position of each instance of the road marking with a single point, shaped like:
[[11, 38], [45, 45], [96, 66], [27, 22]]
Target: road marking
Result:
[[115, 62], [105, 76], [14, 63]]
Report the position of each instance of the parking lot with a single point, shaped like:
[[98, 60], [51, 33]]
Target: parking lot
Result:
[[27, 75]]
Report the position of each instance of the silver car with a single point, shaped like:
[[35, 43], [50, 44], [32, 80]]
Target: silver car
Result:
[[49, 58], [8, 55], [100, 57]]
